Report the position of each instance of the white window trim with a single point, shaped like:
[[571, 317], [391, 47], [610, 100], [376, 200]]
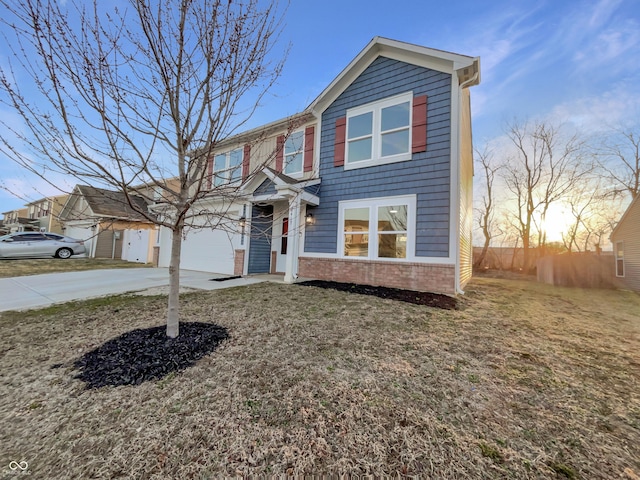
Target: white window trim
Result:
[[624, 269], [373, 204], [227, 168], [285, 163], [376, 109]]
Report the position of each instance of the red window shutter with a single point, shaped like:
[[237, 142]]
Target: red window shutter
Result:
[[419, 127], [209, 182], [309, 137], [246, 158], [341, 135], [279, 153]]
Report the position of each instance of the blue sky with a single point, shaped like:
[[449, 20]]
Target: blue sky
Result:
[[574, 61]]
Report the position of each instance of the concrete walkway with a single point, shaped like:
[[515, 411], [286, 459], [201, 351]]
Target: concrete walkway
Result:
[[33, 291]]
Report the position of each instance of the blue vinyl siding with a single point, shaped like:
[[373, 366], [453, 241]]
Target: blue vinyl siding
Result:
[[427, 174]]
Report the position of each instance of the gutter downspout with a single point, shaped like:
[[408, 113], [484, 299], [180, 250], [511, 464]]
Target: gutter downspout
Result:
[[463, 85]]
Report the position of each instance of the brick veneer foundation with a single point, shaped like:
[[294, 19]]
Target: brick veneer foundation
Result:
[[238, 262], [422, 277]]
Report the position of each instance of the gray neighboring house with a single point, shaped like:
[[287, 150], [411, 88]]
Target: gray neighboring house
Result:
[[626, 246]]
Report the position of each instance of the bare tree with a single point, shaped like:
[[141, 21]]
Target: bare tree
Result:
[[122, 96], [486, 211], [619, 158], [542, 169], [594, 210]]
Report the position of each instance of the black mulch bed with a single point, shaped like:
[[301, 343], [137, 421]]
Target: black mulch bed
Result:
[[224, 279], [148, 354], [410, 296]]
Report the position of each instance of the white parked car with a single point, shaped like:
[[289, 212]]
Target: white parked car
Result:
[[39, 244]]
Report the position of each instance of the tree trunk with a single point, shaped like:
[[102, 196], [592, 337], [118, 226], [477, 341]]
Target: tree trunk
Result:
[[173, 313], [485, 249]]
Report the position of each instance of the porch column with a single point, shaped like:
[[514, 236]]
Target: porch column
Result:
[[293, 240]]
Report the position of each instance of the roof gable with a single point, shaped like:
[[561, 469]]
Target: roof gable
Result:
[[627, 215], [103, 203], [468, 68]]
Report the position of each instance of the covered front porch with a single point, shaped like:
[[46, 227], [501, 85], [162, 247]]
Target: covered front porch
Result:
[[273, 224]]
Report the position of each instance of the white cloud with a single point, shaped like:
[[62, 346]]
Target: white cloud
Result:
[[617, 106]]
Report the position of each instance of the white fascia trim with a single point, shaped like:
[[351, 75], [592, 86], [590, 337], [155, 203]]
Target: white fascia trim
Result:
[[309, 183], [292, 190], [454, 215]]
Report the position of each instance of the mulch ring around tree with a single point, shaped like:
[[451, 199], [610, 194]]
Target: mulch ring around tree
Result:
[[147, 354], [410, 296]]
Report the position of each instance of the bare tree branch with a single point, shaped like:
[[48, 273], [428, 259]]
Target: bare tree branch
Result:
[[117, 97]]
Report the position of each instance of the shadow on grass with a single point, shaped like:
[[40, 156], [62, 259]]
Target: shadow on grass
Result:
[[148, 354]]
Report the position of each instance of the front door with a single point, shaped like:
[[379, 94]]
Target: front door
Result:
[[260, 239]]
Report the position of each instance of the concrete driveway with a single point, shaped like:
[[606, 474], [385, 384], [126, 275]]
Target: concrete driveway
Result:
[[22, 293]]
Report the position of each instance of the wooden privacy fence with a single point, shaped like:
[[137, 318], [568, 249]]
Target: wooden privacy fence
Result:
[[585, 270]]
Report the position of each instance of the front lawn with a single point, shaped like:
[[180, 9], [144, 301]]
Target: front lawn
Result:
[[37, 266], [524, 381]]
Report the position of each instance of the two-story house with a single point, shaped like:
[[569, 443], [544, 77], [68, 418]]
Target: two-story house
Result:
[[371, 183], [18, 221], [47, 212]]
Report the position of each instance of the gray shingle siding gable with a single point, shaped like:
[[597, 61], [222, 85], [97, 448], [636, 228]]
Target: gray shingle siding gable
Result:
[[265, 188], [427, 174]]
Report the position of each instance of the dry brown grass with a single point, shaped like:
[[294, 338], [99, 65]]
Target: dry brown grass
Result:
[[36, 266], [526, 381]]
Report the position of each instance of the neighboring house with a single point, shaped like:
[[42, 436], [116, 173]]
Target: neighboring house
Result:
[[46, 211], [371, 183], [19, 221], [109, 225], [626, 246]]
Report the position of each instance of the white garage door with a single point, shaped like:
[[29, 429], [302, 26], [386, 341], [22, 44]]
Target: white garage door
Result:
[[209, 251], [81, 233]]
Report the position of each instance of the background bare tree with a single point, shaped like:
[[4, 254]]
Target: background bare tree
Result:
[[593, 211], [486, 212], [544, 166], [121, 96], [619, 158]]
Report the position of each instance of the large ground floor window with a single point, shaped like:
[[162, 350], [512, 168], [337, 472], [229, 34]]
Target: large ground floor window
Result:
[[378, 227]]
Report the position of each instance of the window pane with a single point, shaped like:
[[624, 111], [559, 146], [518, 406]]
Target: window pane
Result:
[[359, 150], [235, 165], [293, 163], [356, 223], [235, 158], [219, 165], [396, 116], [360, 125], [392, 245], [356, 218], [356, 245], [294, 143], [395, 143], [392, 218]]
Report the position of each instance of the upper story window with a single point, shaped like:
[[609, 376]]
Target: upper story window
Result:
[[378, 228], [293, 154], [379, 133], [227, 167]]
